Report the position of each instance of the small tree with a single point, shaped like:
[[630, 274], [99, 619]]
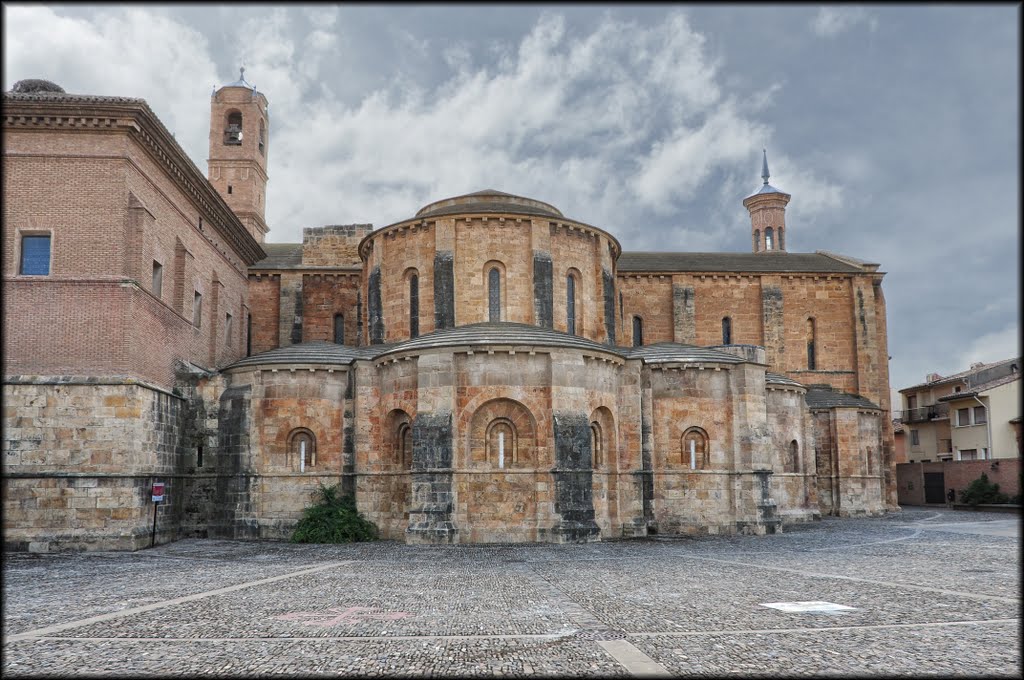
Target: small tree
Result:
[[333, 519], [983, 491]]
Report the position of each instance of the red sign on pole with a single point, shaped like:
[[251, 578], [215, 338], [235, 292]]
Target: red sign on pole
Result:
[[158, 491]]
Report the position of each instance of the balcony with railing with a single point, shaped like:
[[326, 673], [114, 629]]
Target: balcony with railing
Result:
[[923, 414]]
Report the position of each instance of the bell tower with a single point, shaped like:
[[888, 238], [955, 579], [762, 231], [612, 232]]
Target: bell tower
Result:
[[239, 140], [767, 208]]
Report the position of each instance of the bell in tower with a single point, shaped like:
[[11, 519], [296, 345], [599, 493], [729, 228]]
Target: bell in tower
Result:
[[239, 125]]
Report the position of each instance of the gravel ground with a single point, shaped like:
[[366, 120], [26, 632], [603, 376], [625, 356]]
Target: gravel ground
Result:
[[934, 592]]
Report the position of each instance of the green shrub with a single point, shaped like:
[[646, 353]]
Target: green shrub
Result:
[[333, 519], [983, 491]]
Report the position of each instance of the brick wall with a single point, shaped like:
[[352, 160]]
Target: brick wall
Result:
[[958, 474]]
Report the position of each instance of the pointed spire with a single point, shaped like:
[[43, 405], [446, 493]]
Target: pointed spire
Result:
[[764, 167], [241, 73]]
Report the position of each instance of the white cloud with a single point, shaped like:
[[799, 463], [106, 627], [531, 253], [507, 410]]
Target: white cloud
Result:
[[996, 346], [831, 21]]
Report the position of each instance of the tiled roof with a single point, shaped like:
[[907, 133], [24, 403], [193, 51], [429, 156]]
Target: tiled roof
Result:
[[665, 352], [310, 353], [280, 256], [983, 387], [487, 207], [776, 379], [503, 333], [823, 396], [963, 375], [733, 262]]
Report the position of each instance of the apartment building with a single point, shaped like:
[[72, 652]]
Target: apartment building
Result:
[[971, 415]]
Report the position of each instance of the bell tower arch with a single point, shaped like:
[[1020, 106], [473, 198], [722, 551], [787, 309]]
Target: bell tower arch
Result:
[[239, 144]]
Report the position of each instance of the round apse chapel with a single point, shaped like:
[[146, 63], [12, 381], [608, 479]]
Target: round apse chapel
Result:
[[488, 257]]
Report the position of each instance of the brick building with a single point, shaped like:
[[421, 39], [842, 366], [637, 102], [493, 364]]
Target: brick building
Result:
[[486, 370]]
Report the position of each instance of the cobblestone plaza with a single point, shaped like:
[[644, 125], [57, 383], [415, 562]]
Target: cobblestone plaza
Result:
[[926, 591]]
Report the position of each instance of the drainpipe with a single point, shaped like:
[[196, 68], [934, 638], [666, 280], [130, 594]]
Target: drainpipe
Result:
[[988, 425]]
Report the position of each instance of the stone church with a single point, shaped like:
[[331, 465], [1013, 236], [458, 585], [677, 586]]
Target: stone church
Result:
[[486, 370]]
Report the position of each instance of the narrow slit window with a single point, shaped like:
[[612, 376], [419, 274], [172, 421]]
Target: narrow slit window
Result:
[[812, 359], [158, 278], [494, 295], [248, 335], [414, 306], [570, 305], [638, 331], [727, 331], [227, 328], [768, 237], [197, 309], [339, 329]]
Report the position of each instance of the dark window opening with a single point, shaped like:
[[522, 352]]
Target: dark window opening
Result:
[[638, 331], [727, 331], [229, 188], [35, 255], [339, 329], [199, 456], [494, 295], [414, 306], [570, 305], [248, 335], [812, 359], [233, 132], [768, 238]]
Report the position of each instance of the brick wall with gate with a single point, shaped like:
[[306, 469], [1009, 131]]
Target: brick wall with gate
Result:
[[956, 474]]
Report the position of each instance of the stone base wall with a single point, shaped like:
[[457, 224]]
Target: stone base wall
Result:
[[80, 458]]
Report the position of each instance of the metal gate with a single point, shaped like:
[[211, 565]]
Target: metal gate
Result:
[[934, 487]]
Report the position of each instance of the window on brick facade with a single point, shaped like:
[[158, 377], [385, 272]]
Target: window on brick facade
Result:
[[229, 188], [768, 237], [197, 309], [757, 240], [35, 255], [695, 453], [812, 359], [339, 329], [501, 443], [263, 137], [727, 331], [638, 331], [494, 295], [227, 328], [596, 444], [158, 278], [793, 460], [980, 417], [915, 438], [414, 306], [570, 305], [248, 335], [302, 445], [963, 416]]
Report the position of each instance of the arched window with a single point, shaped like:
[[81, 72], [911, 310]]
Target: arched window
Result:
[[501, 443], [757, 240], [403, 446], [494, 295], [768, 238], [638, 331], [570, 304], [339, 329], [233, 131], [263, 137], [727, 331], [596, 444], [414, 305], [812, 361], [301, 449], [782, 241], [793, 459], [695, 453]]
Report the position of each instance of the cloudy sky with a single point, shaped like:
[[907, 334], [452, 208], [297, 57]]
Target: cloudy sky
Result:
[[895, 129]]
